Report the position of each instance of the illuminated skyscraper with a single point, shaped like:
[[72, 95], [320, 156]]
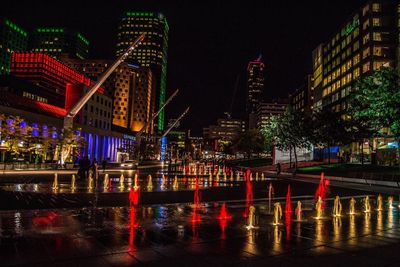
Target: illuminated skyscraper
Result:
[[59, 41], [365, 42], [255, 89], [130, 87], [12, 38], [255, 84], [151, 53]]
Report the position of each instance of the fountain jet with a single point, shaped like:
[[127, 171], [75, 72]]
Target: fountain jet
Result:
[[379, 203], [55, 182], [223, 215], [288, 204], [149, 183], [73, 185], [249, 193], [322, 189], [298, 212], [134, 196], [175, 185], [352, 206], [270, 196], [106, 182], [319, 208], [390, 203], [337, 207], [367, 205], [121, 181], [251, 220], [277, 213]]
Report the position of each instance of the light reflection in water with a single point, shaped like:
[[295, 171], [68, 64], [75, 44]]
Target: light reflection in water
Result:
[[250, 244], [319, 228], [352, 230], [337, 228], [379, 220], [390, 218], [17, 223], [277, 243], [367, 222]]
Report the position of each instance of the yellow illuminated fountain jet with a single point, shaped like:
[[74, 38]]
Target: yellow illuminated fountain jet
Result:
[[352, 206], [390, 202], [299, 212], [225, 178], [73, 185], [262, 176], [55, 182], [319, 209], [149, 183], [90, 181], [237, 176], [231, 177], [367, 205], [337, 207], [106, 182], [135, 184], [256, 176], [251, 220], [277, 213], [379, 203], [122, 182], [175, 184]]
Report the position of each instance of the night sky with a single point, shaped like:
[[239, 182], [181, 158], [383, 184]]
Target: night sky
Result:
[[210, 42]]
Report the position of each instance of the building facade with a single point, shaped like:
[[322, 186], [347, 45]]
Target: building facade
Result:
[[41, 90], [59, 41], [302, 99], [267, 109], [151, 53], [12, 39], [226, 130], [367, 41], [255, 89], [129, 86]]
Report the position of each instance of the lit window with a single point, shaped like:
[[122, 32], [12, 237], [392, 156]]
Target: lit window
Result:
[[366, 67], [376, 22], [376, 7], [366, 52], [377, 36]]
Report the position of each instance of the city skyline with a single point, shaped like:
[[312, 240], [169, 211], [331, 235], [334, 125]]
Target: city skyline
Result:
[[197, 64]]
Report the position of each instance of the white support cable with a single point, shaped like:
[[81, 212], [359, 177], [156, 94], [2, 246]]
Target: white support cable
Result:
[[68, 120]]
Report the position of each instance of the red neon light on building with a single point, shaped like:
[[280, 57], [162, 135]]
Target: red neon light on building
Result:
[[40, 66]]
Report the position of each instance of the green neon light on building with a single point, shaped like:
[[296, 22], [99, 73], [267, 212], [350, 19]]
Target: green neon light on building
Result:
[[15, 28], [350, 28], [53, 30]]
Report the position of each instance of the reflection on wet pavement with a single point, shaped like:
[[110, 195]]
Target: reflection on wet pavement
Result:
[[181, 233]]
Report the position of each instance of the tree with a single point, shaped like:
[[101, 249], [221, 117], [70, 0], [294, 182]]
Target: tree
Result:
[[329, 129], [251, 141], [288, 131], [375, 103]]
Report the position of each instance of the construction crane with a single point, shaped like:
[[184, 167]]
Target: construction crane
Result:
[[69, 118]]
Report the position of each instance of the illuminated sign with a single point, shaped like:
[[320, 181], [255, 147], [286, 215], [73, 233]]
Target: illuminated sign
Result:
[[350, 27], [129, 137]]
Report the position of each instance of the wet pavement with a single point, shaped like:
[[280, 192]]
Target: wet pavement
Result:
[[183, 235]]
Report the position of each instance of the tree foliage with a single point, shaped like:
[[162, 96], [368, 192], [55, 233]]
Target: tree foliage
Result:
[[251, 142], [375, 102]]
